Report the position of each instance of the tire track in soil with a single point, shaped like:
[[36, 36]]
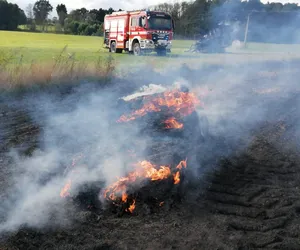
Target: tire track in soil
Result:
[[257, 194]]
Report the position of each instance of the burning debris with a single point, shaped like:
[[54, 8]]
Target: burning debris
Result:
[[174, 102], [119, 192], [124, 192], [173, 123]]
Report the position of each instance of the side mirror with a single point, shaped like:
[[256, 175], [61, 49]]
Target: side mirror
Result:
[[173, 24]]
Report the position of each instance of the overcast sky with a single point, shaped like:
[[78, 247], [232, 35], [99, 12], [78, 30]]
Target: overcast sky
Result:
[[116, 4]]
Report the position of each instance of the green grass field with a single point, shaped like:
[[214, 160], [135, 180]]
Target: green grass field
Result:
[[44, 46], [40, 57]]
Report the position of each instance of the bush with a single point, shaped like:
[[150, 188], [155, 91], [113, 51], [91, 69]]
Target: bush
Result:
[[99, 32], [72, 27], [91, 30], [82, 27]]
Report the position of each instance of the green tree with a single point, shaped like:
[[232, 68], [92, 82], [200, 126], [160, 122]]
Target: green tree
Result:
[[11, 16], [290, 7], [79, 15], [62, 13], [41, 10], [30, 17]]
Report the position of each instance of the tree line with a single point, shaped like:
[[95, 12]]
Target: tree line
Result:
[[201, 16], [10, 16], [77, 22], [191, 17]]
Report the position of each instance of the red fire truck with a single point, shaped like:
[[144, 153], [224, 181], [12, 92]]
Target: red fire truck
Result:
[[138, 32]]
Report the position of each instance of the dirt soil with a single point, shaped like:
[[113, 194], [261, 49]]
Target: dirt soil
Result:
[[250, 201]]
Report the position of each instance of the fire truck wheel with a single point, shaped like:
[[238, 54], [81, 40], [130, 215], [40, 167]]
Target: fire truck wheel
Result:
[[136, 49], [113, 48]]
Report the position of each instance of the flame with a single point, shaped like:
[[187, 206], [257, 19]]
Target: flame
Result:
[[177, 178], [148, 170], [117, 192], [173, 123], [124, 197], [65, 190], [182, 103], [182, 164], [177, 174], [132, 207], [145, 170]]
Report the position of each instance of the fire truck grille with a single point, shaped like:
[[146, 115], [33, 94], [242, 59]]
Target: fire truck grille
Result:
[[161, 36]]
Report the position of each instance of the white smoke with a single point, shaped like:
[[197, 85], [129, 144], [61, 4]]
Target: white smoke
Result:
[[85, 122], [88, 128]]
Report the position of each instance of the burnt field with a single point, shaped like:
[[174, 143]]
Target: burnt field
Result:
[[239, 191]]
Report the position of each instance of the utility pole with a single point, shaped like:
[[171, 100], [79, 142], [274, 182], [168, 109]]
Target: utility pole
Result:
[[246, 30]]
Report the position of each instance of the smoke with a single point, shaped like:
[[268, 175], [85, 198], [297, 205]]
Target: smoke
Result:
[[80, 143], [276, 27], [84, 123], [237, 103], [257, 23]]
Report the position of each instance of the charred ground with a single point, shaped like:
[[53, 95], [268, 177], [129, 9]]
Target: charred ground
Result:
[[247, 196]]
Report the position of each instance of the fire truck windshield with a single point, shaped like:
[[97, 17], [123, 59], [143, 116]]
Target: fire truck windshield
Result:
[[160, 23]]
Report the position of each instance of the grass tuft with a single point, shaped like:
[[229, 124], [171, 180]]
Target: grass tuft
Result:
[[64, 67]]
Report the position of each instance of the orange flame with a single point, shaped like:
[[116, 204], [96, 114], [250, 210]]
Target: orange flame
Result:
[[148, 170], [124, 197], [144, 169], [132, 207], [65, 190], [177, 178], [182, 164], [179, 102], [177, 174], [173, 123]]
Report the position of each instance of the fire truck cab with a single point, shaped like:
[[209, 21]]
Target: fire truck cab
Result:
[[138, 32]]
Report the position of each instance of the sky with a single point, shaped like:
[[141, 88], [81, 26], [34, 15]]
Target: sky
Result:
[[115, 4]]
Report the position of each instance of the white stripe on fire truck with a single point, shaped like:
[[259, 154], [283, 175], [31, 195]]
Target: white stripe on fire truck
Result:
[[138, 33]]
